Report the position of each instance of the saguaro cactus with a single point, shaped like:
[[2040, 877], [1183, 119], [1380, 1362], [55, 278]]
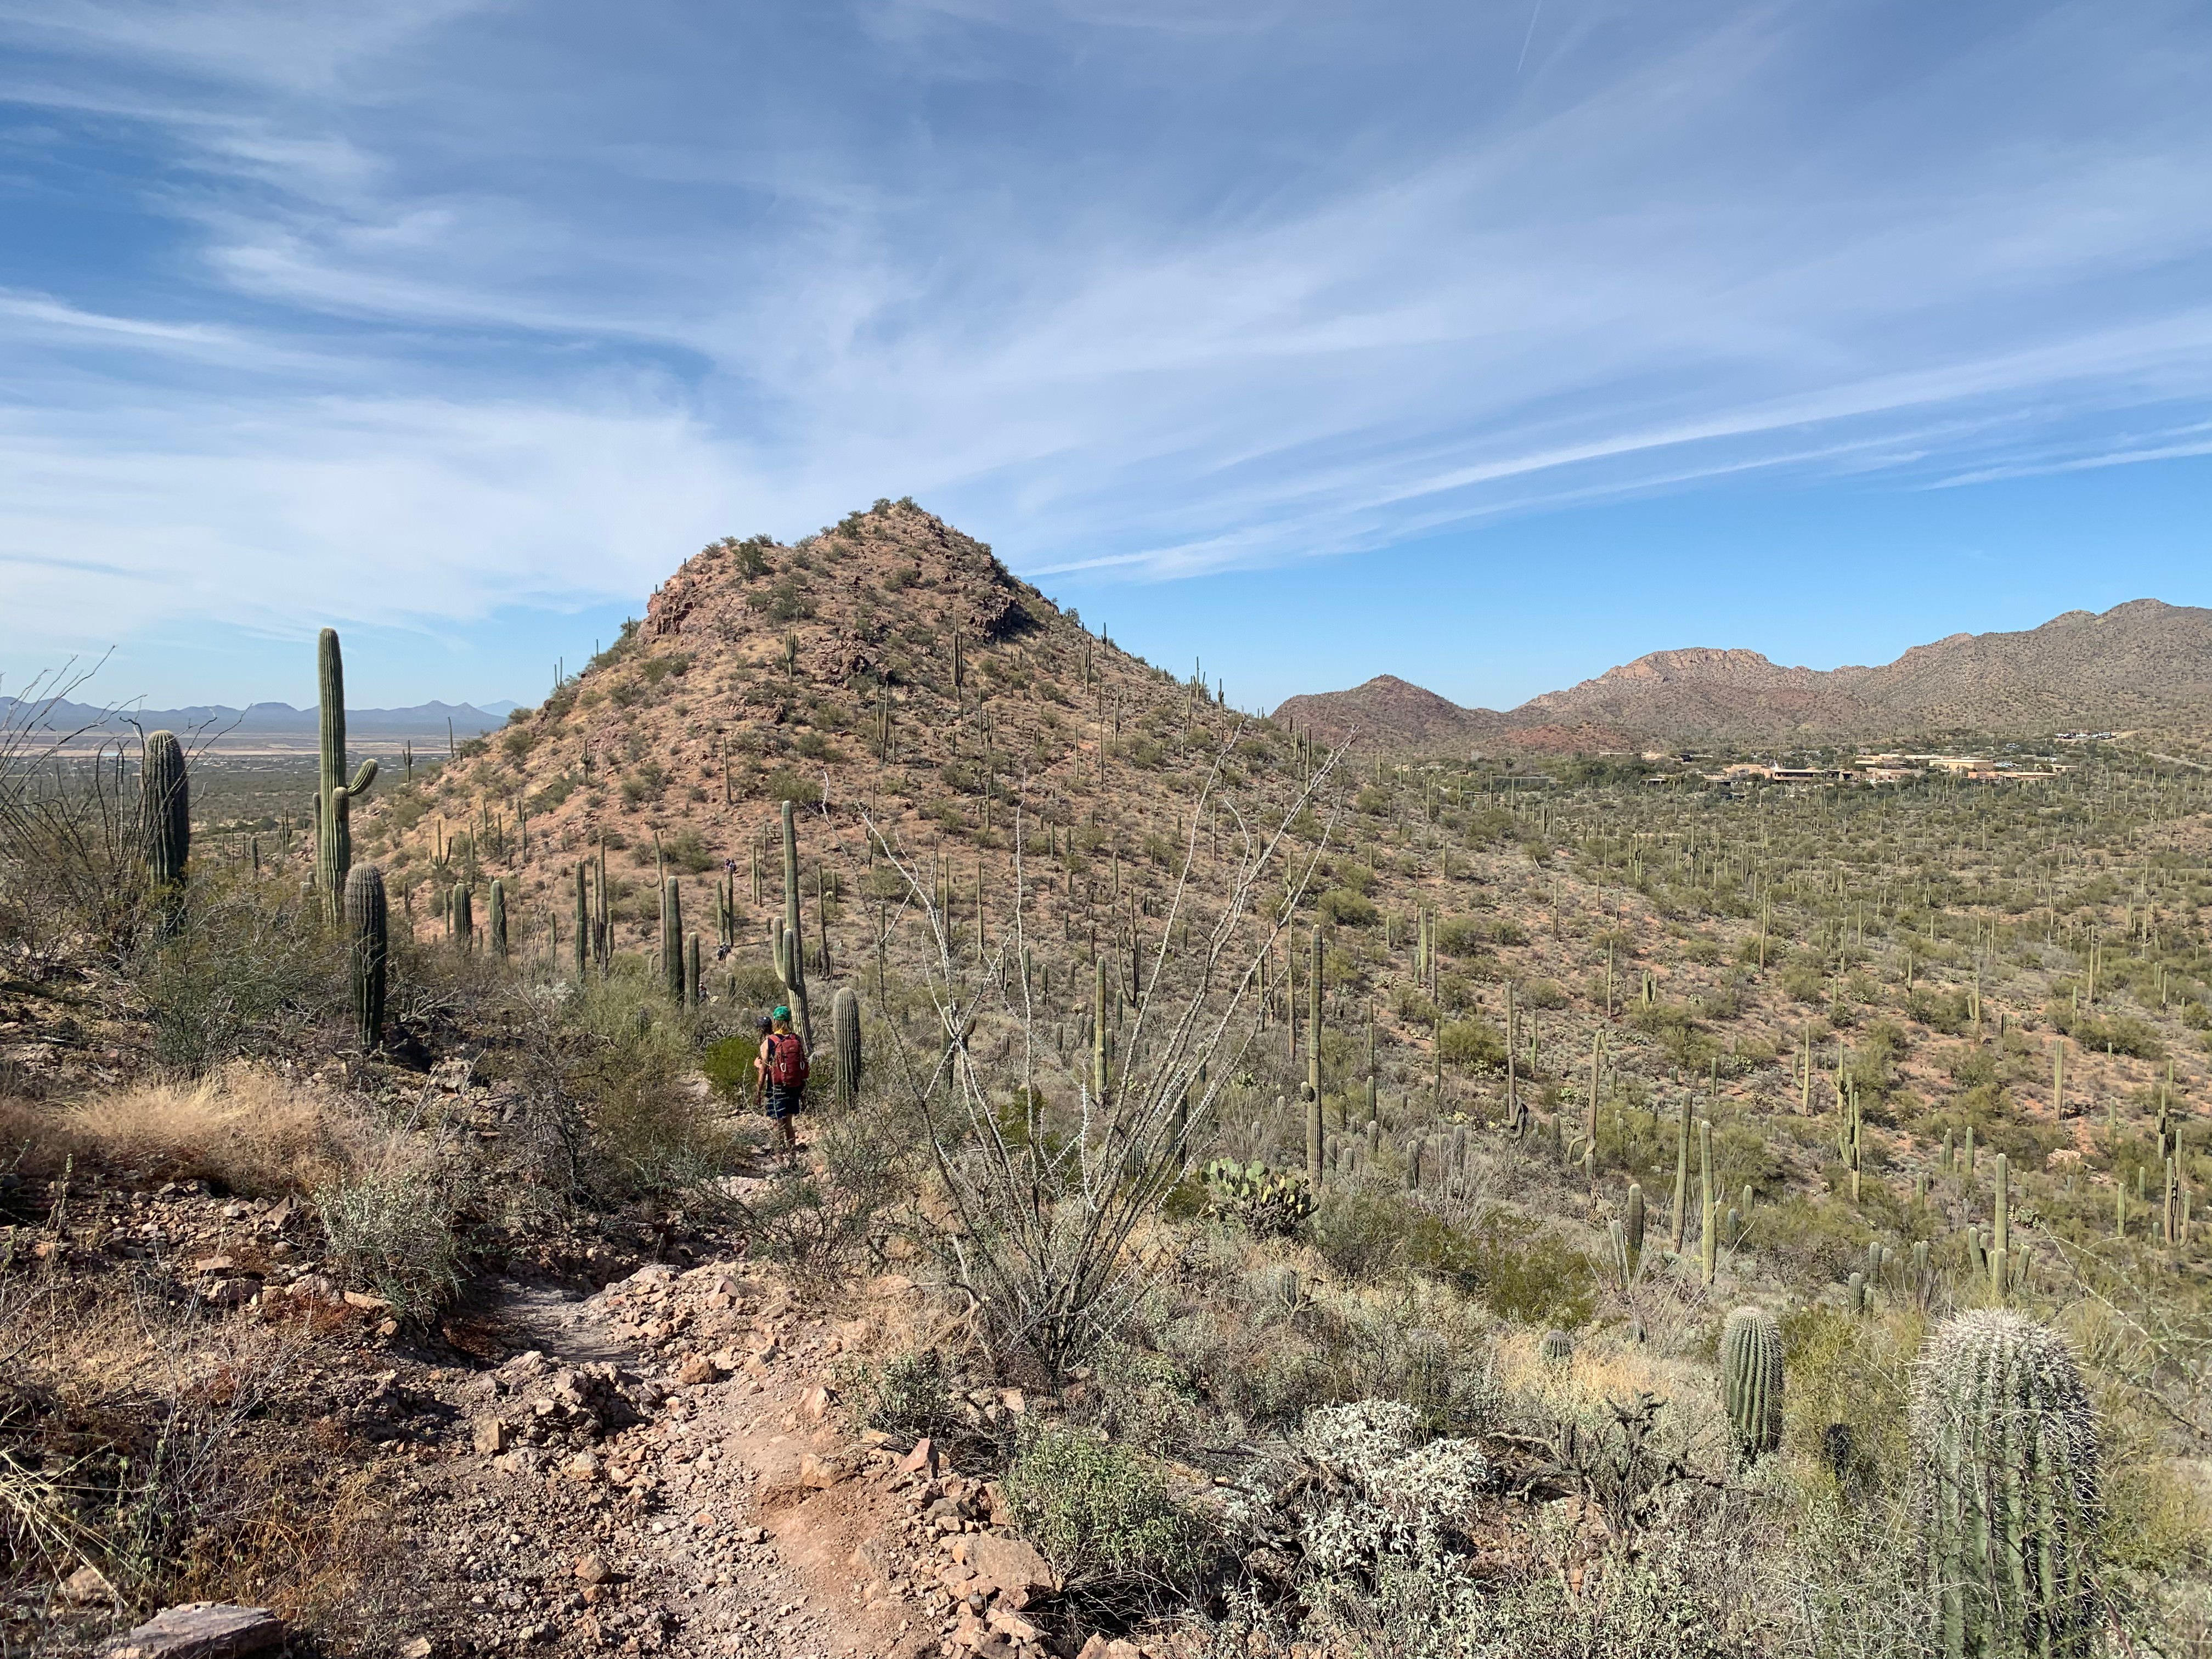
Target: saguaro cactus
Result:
[[368, 919], [791, 953], [1100, 991], [1751, 1380], [691, 971], [1556, 1348], [671, 938], [495, 918], [845, 1030], [336, 797], [2005, 1489], [463, 922], [165, 809], [583, 946], [1681, 1218], [1632, 1229]]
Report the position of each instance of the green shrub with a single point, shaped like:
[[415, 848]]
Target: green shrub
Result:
[[1100, 1513], [909, 1394], [392, 1231]]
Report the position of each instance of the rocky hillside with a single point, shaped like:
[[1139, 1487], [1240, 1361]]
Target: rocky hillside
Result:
[[2142, 664], [887, 672]]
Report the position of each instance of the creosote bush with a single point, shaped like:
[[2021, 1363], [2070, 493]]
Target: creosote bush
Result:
[[1100, 1513]]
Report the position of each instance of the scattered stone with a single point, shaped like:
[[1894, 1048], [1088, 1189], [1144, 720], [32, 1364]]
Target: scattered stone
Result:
[[199, 1629], [817, 1400], [490, 1434], [592, 1570], [1010, 1565], [819, 1473], [212, 1264], [696, 1368], [367, 1303], [922, 1460], [583, 1467], [419, 1648], [86, 1586]]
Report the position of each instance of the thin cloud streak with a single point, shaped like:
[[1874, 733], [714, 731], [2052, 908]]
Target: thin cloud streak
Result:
[[470, 337]]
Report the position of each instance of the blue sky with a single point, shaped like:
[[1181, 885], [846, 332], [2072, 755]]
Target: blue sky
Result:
[[1488, 344]]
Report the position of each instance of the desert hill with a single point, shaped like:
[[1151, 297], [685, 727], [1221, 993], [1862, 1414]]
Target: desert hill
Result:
[[888, 672], [2144, 662]]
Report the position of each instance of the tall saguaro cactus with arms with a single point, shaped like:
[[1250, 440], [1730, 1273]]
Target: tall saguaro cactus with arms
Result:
[[335, 799]]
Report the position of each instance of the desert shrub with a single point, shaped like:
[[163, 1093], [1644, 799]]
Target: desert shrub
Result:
[[246, 966], [1360, 1230], [1100, 1513], [1474, 1043], [784, 784], [686, 852], [909, 1394], [2121, 1034], [1344, 908], [1519, 1274], [1463, 936], [391, 1229], [818, 1217], [1140, 1398]]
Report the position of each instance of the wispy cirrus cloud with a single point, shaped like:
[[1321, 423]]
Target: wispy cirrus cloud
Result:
[[538, 297]]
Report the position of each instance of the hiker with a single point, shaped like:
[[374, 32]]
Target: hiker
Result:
[[782, 1068]]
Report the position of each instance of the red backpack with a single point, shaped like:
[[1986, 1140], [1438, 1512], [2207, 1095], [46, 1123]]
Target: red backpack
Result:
[[787, 1061]]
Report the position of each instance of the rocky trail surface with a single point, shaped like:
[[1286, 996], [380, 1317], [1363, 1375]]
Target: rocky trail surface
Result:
[[660, 1470]]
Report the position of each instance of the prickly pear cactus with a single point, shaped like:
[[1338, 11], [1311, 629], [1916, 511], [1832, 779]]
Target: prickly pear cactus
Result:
[[2005, 1489], [1751, 1380], [1269, 1202]]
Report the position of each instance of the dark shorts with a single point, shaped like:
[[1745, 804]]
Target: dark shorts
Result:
[[785, 1102]]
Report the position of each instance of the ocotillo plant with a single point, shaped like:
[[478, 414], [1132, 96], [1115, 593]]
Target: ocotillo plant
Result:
[[2005, 1489], [1751, 1380], [845, 1031], [495, 918], [367, 921], [165, 809], [791, 957], [671, 938], [335, 797]]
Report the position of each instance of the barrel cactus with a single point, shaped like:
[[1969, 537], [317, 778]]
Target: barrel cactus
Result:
[[845, 1032], [367, 921], [166, 809], [1556, 1349], [1751, 1380], [2005, 1489]]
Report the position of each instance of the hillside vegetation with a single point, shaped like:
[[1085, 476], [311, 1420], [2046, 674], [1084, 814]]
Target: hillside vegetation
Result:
[[1320, 1205]]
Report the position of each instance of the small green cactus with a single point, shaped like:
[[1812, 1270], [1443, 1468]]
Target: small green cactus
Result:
[[1751, 1380], [464, 917], [166, 809], [1855, 1294], [1556, 1348], [2006, 1490], [495, 918], [367, 921], [845, 1032]]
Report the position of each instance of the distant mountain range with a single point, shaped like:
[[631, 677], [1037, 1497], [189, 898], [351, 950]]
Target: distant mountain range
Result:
[[277, 723], [2142, 664]]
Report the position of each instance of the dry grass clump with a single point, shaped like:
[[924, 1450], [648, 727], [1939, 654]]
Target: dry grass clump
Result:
[[245, 1130], [173, 1452]]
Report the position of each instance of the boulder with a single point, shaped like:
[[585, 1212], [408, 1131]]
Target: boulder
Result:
[[199, 1629]]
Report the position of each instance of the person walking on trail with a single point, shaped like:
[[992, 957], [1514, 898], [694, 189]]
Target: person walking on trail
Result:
[[782, 1068]]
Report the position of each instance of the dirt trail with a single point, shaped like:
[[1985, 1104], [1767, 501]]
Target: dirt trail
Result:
[[659, 1471]]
